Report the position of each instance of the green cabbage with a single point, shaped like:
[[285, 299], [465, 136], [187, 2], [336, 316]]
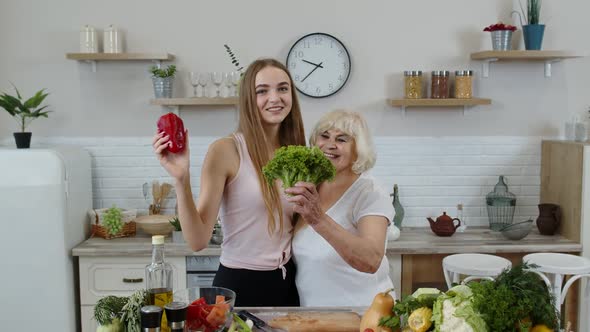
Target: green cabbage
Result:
[[454, 312]]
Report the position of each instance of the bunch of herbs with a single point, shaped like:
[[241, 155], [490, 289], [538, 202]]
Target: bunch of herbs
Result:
[[163, 73], [516, 299]]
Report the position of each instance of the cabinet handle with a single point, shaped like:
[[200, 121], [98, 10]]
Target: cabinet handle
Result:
[[132, 280]]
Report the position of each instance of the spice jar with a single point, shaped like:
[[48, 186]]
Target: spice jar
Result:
[[439, 84], [463, 84], [413, 84]]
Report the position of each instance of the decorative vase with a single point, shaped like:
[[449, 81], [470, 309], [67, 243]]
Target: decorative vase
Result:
[[533, 36], [500, 205], [23, 140], [397, 206], [501, 40], [163, 86], [549, 218], [177, 237]]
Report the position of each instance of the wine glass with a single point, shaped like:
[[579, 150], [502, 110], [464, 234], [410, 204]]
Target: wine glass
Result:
[[203, 81], [235, 80], [217, 78], [227, 85], [194, 79]]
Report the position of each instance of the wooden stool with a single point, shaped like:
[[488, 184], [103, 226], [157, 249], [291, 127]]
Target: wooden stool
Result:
[[552, 267], [474, 266]]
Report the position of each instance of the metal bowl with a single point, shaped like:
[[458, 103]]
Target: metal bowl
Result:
[[518, 230]]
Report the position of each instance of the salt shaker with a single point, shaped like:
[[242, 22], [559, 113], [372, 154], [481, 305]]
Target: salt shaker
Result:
[[88, 40], [113, 40]]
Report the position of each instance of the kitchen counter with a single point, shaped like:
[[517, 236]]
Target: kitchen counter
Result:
[[422, 240], [138, 246], [417, 241]]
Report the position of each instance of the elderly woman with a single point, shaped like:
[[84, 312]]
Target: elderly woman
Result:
[[339, 241]]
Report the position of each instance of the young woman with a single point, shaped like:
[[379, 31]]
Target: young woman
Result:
[[256, 219], [339, 243]]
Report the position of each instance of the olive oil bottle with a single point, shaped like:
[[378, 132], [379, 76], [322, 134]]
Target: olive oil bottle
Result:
[[158, 278]]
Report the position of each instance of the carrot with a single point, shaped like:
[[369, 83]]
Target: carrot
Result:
[[219, 299]]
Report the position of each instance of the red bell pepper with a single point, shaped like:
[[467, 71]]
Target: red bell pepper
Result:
[[172, 125]]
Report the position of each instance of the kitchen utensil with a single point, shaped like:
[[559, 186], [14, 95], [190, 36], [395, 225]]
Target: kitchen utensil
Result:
[[259, 323], [318, 322], [444, 225], [145, 191], [517, 230]]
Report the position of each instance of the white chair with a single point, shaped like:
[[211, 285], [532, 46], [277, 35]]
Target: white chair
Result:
[[554, 266], [474, 266]]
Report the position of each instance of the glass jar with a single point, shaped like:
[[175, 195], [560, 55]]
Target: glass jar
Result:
[[439, 84], [463, 84], [413, 84], [500, 205]]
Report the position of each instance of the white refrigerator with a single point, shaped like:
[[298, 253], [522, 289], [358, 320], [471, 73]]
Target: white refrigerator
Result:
[[44, 198]]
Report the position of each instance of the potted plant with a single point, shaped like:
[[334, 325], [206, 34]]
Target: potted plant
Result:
[[501, 36], [162, 80], [177, 233], [532, 31], [24, 112]]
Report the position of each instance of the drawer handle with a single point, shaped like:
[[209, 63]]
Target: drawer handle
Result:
[[132, 280]]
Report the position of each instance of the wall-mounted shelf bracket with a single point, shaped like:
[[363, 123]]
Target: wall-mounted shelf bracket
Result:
[[486, 66], [548, 66]]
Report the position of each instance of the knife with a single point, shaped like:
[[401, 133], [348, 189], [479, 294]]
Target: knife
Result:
[[259, 323]]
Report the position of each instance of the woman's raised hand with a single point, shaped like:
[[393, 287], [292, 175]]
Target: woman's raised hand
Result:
[[176, 164], [306, 201]]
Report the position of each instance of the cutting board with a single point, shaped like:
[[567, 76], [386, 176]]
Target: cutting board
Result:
[[317, 322]]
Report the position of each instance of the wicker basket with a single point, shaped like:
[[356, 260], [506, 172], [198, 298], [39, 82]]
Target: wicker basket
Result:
[[128, 229]]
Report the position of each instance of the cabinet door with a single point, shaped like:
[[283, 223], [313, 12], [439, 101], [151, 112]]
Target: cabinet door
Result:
[[88, 323], [120, 276], [395, 272]]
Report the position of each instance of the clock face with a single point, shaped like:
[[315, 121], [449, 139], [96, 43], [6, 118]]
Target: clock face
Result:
[[319, 64]]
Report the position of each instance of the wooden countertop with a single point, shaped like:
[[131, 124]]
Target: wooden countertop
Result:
[[413, 241], [137, 246], [477, 240]]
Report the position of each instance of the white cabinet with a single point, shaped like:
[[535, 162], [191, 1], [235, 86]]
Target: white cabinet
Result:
[[395, 272], [120, 276]]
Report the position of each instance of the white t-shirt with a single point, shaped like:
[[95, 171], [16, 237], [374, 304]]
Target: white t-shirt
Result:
[[323, 277]]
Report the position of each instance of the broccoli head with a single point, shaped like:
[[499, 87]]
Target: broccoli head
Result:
[[295, 163]]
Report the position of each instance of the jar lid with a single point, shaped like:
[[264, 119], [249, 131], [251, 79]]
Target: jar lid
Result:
[[413, 73], [87, 28], [464, 73], [440, 73]]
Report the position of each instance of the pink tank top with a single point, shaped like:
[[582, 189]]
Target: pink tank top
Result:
[[247, 243]]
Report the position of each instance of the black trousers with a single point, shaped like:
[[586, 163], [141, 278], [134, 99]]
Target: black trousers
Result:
[[260, 288]]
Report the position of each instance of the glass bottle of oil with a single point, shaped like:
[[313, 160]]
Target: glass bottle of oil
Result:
[[158, 278]]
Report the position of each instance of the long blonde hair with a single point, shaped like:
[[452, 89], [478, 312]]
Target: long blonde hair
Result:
[[250, 125]]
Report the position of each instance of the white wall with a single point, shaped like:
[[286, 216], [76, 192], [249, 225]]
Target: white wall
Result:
[[434, 174], [383, 37]]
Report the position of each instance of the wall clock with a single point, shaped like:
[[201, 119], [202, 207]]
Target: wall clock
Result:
[[319, 64]]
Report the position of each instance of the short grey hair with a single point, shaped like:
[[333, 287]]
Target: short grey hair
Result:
[[354, 125]]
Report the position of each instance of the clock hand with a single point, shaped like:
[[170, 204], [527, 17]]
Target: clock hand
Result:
[[317, 66], [311, 63]]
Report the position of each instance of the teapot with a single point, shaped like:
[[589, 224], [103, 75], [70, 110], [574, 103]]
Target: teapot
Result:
[[444, 225]]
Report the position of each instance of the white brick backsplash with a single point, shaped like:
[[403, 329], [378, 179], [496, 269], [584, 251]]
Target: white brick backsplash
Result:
[[434, 174]]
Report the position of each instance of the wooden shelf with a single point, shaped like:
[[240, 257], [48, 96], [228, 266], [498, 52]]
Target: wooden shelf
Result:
[[175, 102], [94, 57], [430, 102], [545, 56], [120, 56]]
